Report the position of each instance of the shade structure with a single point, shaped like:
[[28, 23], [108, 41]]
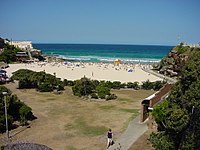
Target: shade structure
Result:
[[117, 61]]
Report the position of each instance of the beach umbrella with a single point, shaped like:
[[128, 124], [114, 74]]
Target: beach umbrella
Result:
[[117, 61]]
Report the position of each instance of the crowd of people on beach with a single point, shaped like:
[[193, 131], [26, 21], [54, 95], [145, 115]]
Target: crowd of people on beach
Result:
[[123, 71], [130, 67]]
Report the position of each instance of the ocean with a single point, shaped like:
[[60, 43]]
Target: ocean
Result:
[[105, 53]]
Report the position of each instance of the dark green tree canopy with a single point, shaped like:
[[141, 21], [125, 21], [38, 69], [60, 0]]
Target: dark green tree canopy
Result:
[[40, 80], [178, 118], [17, 110]]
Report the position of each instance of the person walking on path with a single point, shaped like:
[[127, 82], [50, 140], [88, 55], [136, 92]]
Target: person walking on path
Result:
[[109, 136]]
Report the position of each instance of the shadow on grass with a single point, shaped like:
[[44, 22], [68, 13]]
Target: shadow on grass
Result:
[[107, 107], [84, 128], [129, 110]]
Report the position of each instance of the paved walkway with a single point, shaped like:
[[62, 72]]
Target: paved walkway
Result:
[[169, 80], [133, 132]]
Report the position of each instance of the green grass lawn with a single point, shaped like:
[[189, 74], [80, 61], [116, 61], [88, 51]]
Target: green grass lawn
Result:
[[69, 122]]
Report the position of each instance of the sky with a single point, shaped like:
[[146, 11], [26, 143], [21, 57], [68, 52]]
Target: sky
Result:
[[149, 22]]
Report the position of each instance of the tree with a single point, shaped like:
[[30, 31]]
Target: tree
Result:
[[83, 87], [178, 118], [161, 141]]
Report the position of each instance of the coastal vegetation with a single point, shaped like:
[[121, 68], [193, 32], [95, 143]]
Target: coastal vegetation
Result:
[[42, 81], [8, 55], [86, 87], [178, 118], [173, 63], [17, 110], [95, 89], [101, 89]]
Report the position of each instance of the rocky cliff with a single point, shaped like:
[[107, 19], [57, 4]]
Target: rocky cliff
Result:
[[172, 64]]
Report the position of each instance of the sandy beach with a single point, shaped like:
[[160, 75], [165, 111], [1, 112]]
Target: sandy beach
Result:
[[98, 71]]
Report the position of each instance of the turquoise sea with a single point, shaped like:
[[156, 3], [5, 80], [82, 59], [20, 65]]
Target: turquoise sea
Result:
[[105, 53]]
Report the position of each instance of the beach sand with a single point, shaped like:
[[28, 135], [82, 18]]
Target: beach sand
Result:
[[99, 71]]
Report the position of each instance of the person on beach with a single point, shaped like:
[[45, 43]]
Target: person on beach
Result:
[[109, 136]]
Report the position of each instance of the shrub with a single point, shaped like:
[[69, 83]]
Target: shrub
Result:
[[83, 87], [116, 85], [68, 82], [136, 85], [60, 87], [147, 85], [157, 85], [45, 87], [40, 80], [25, 114], [65, 82], [2, 122], [123, 85], [25, 84], [17, 110], [130, 85], [108, 84], [102, 91], [95, 82]]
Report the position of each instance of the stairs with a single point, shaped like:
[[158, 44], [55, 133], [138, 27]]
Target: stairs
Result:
[[29, 54]]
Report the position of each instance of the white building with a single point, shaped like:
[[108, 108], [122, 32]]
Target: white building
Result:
[[24, 45]]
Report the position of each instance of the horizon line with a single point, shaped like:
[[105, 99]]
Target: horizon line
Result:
[[126, 44]]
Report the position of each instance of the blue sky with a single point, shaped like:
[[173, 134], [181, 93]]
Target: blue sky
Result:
[[101, 21]]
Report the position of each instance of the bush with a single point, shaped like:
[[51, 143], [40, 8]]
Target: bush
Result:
[[2, 122], [123, 85], [130, 85], [65, 82], [136, 85], [60, 87], [17, 110], [116, 85], [83, 87], [25, 84], [45, 87], [9, 53], [108, 84], [25, 114], [68, 82], [95, 82], [102, 91], [42, 81], [158, 84], [147, 85]]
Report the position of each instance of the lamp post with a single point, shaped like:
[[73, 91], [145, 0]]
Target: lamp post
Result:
[[6, 115]]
